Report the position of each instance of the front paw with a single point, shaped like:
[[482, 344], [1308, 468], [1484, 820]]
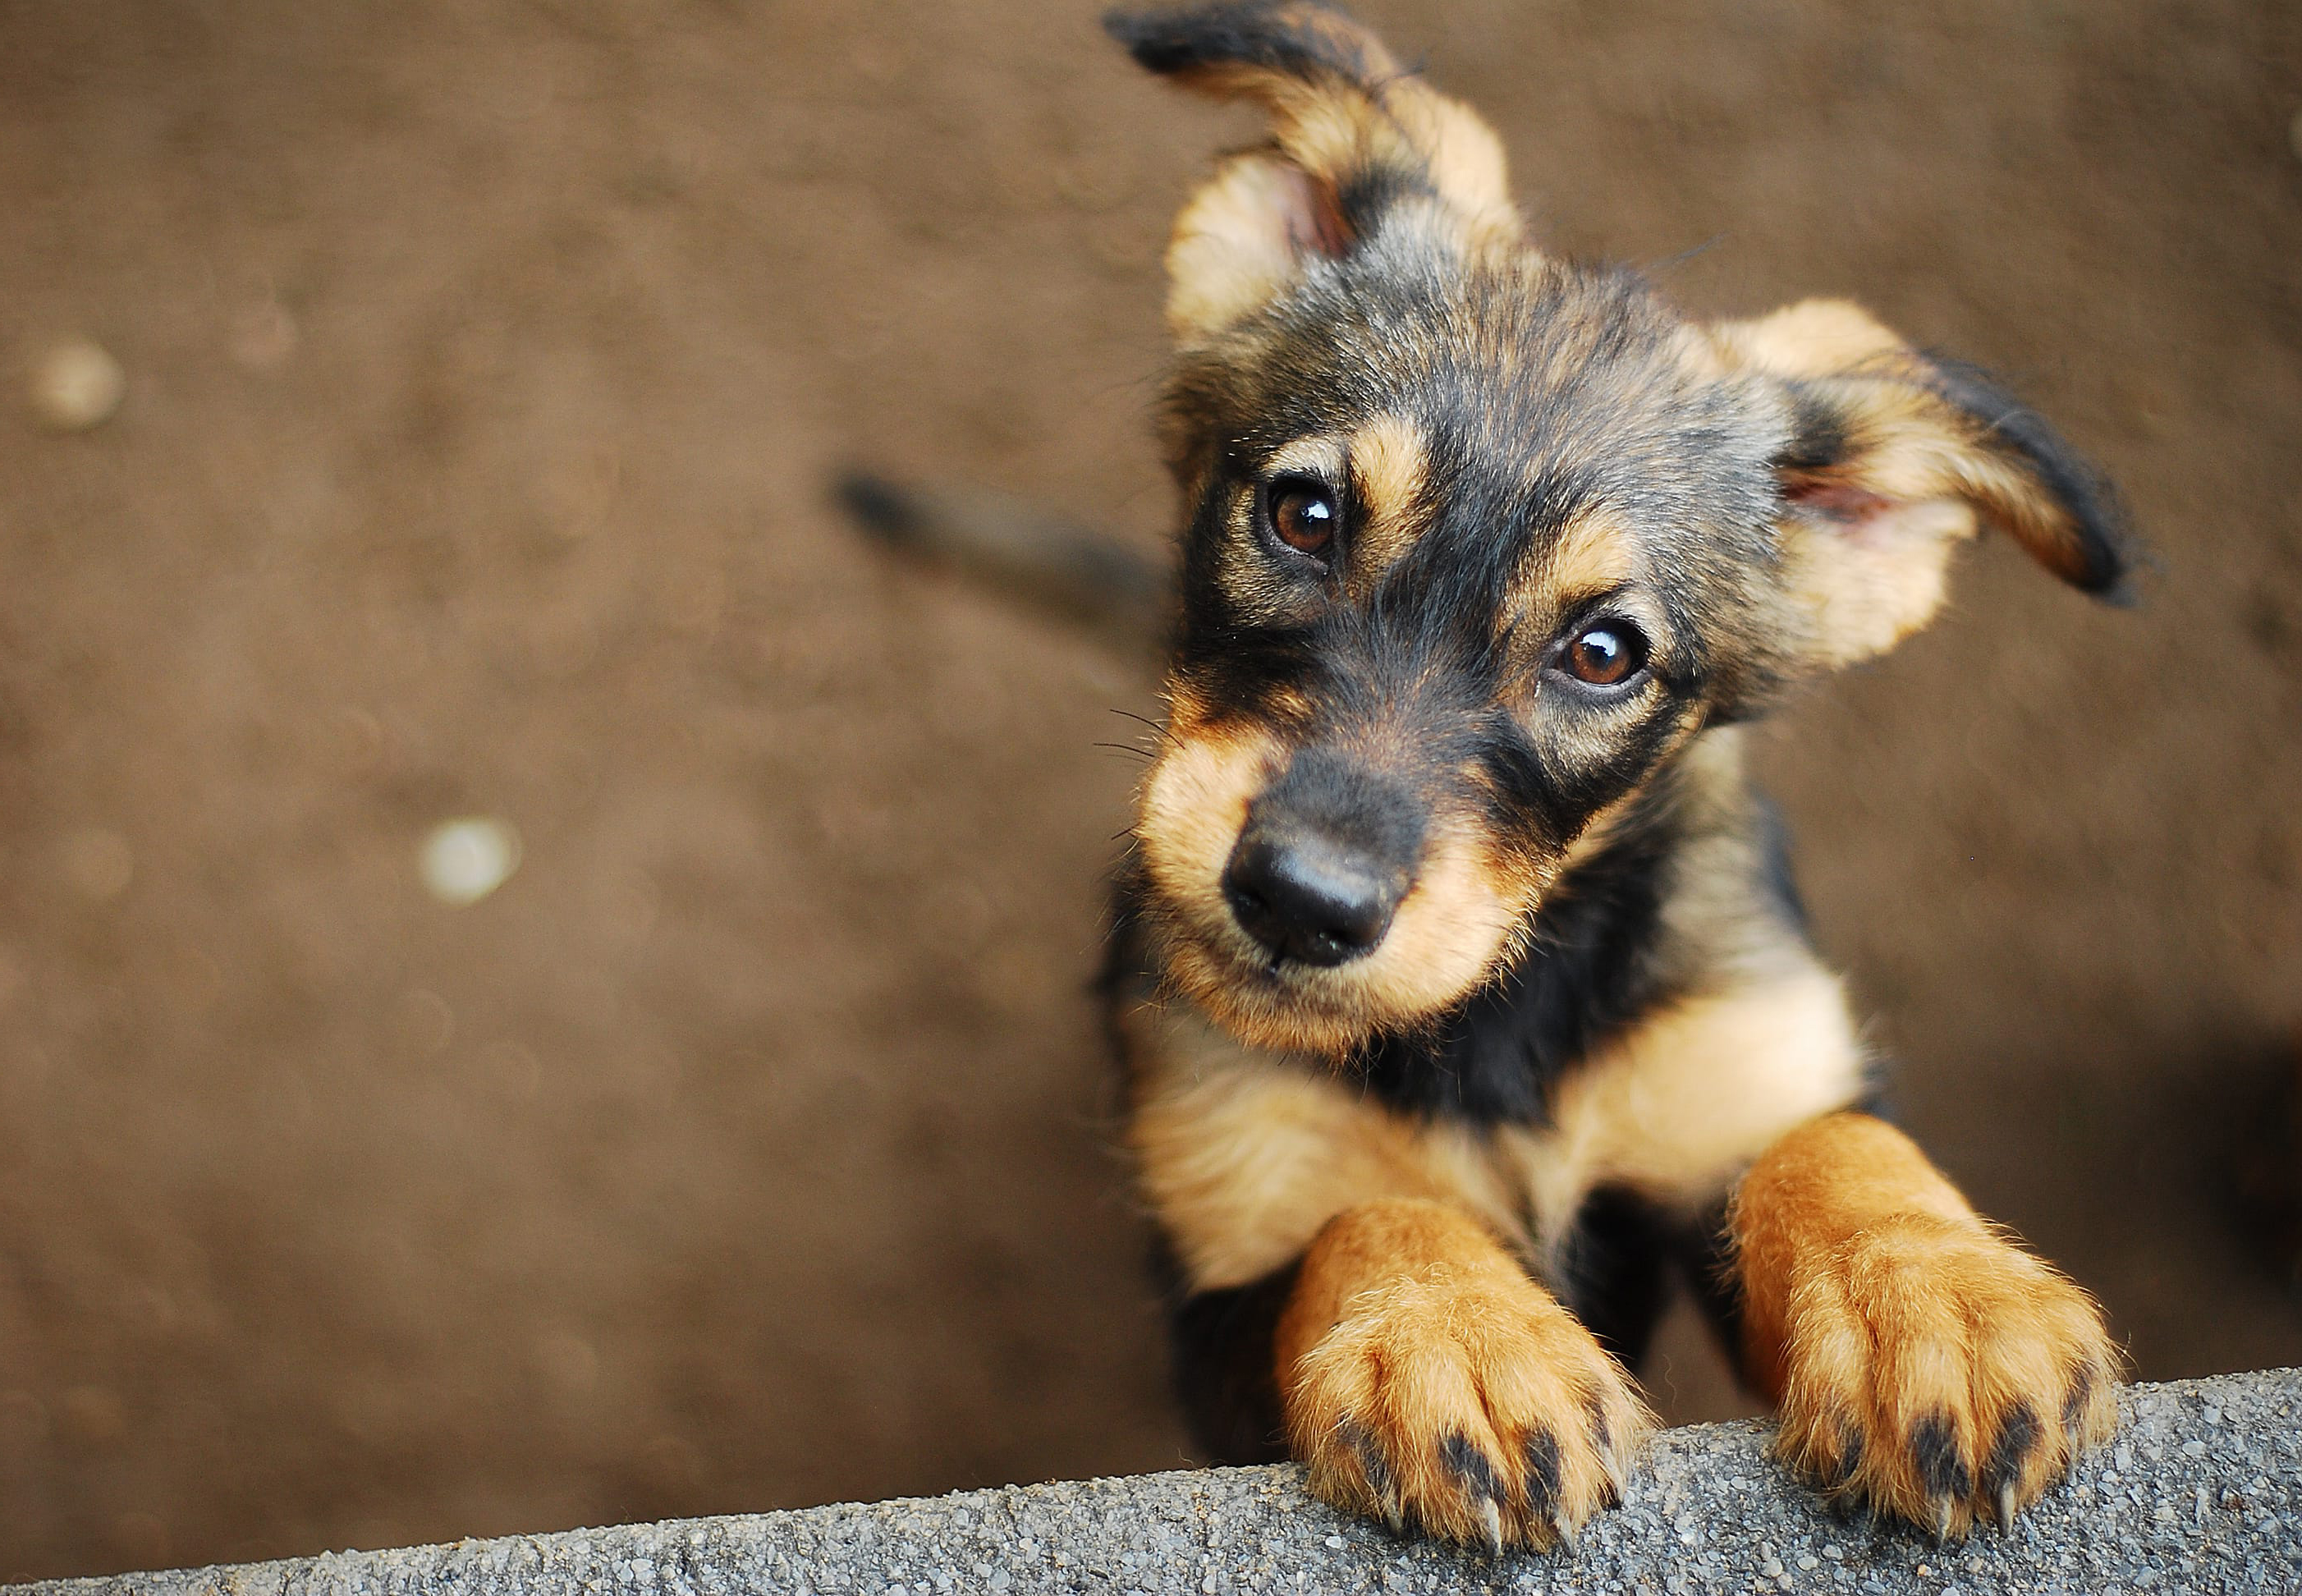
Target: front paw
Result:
[[1477, 1410], [1937, 1373]]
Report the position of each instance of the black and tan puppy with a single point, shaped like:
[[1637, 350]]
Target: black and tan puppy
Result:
[[1463, 995]]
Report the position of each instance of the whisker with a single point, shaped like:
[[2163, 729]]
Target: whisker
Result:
[[1147, 720]]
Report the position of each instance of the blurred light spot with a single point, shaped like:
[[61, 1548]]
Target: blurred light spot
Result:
[[356, 739], [92, 1413], [673, 1462], [23, 1420], [581, 492], [99, 863], [193, 979], [567, 1361], [143, 1537], [150, 1307], [370, 1409], [76, 385], [513, 1067], [463, 861], [632, 904], [263, 336], [429, 1022]]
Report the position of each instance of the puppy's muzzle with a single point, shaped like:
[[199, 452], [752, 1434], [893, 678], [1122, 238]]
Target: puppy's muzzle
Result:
[[1327, 854]]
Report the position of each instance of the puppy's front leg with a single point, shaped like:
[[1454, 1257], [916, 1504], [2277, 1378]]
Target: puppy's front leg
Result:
[[1425, 1377], [1922, 1362]]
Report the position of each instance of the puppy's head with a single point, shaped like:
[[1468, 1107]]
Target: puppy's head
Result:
[[1479, 539]]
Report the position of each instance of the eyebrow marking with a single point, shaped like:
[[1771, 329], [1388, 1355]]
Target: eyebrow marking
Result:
[[1593, 554], [1321, 456], [1389, 469]]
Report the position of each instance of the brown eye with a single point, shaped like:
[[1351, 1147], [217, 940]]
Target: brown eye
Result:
[[1304, 515], [1606, 655]]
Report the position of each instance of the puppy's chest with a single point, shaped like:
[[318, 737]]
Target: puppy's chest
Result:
[[1244, 1154]]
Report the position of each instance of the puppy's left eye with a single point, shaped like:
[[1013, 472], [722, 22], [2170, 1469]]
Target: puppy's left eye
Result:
[[1304, 514], [1605, 655]]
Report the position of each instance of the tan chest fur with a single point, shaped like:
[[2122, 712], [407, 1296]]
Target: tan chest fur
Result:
[[1245, 1155]]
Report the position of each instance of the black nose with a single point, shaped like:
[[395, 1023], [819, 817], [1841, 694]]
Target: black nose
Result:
[[1310, 897]]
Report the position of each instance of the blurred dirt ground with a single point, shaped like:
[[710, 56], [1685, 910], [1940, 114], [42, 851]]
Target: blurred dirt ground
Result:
[[748, 1148]]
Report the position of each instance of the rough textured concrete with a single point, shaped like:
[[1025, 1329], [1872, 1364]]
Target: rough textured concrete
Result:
[[2202, 1491]]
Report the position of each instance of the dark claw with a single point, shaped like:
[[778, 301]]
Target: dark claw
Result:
[[1603, 1439], [2074, 1406], [1544, 1474], [1378, 1474], [1935, 1450], [1469, 1464], [1849, 1458], [2018, 1435]]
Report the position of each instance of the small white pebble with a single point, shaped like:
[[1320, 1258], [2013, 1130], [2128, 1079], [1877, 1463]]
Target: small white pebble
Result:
[[1833, 1553], [1808, 1562], [76, 385], [1334, 1543], [463, 861]]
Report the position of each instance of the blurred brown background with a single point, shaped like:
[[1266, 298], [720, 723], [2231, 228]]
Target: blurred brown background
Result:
[[749, 1146]]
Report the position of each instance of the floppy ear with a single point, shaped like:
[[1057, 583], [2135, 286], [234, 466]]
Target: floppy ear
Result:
[[1355, 142], [1896, 458]]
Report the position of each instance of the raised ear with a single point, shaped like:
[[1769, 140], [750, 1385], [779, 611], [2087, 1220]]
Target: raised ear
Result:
[[1896, 458], [1356, 143]]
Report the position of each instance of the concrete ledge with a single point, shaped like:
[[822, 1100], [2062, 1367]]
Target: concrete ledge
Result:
[[2202, 1491]]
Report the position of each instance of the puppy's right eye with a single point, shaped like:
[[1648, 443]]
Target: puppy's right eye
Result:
[[1303, 517]]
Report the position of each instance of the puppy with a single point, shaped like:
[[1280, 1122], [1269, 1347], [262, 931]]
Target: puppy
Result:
[[1463, 996]]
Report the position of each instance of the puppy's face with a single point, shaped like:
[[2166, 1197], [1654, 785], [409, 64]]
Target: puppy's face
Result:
[[1478, 540]]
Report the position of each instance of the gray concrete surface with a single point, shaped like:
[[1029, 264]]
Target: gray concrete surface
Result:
[[2202, 1491]]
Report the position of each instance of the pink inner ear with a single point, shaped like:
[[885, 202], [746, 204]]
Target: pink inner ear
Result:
[[1315, 219], [1838, 501]]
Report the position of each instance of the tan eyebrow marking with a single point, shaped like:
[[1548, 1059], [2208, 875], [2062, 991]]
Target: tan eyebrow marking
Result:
[[1593, 553], [1321, 456], [1388, 472]]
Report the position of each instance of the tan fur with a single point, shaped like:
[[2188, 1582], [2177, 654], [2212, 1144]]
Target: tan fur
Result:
[[1675, 1109], [1387, 473], [1591, 555], [1924, 1362], [1420, 1370], [1878, 1306], [1869, 551], [1237, 244], [1453, 926], [1244, 237], [1194, 805], [1328, 129], [1247, 1158], [1244, 1154]]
